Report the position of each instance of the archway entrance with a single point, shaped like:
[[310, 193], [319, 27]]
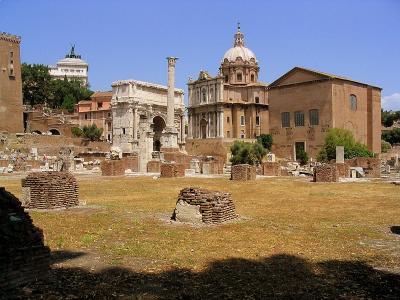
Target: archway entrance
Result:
[[158, 127], [54, 132], [37, 132], [203, 128]]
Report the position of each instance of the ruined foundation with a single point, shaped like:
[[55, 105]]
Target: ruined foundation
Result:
[[326, 173], [243, 172], [196, 205], [153, 166], [112, 168], [343, 170], [23, 256], [49, 190], [169, 170], [271, 169]]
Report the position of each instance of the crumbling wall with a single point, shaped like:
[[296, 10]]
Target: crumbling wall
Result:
[[49, 190], [243, 172], [131, 162], [23, 256], [271, 169], [210, 207], [326, 173], [343, 169], [168, 170], [112, 168], [371, 166], [153, 166]]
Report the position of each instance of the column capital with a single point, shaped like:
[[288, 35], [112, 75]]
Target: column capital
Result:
[[172, 61]]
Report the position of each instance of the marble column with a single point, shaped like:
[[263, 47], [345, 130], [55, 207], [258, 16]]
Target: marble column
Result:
[[171, 91], [135, 123], [190, 126]]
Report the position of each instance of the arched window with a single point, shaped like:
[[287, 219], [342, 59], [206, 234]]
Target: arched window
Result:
[[204, 96], [252, 77], [353, 102], [239, 76]]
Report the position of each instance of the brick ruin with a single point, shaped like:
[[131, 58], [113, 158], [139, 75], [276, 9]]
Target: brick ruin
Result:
[[326, 173], [370, 165], [23, 255], [169, 170], [343, 169], [196, 205], [112, 167], [154, 166], [243, 172], [271, 169], [49, 190]]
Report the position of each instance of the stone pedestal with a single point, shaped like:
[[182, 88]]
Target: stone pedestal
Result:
[[339, 154], [169, 138]]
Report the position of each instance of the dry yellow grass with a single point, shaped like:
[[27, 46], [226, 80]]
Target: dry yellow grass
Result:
[[125, 222]]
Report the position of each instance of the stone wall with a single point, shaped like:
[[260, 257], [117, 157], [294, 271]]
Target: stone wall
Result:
[[131, 162], [343, 170], [371, 166], [153, 166], [168, 170], [23, 256], [326, 173], [243, 172], [49, 190], [271, 169], [198, 205], [112, 168]]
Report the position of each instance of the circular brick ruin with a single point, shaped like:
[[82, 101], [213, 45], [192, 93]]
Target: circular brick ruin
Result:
[[23, 256], [196, 205], [49, 190]]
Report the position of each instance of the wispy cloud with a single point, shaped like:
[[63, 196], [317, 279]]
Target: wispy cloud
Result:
[[391, 102]]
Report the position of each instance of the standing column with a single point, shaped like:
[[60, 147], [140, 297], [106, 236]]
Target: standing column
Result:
[[189, 126], [135, 123], [182, 129], [171, 91], [221, 124], [208, 125]]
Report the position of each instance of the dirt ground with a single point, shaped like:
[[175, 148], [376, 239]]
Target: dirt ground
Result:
[[295, 239]]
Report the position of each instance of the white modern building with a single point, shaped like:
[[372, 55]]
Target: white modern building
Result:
[[72, 66]]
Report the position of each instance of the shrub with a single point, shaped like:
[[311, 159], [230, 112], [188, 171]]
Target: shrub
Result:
[[302, 157], [265, 140], [385, 146], [342, 137], [392, 136], [247, 153], [92, 133], [76, 131]]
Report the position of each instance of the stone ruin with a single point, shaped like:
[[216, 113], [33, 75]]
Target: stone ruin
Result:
[[113, 166], [326, 173], [23, 256], [169, 170], [271, 168], [196, 205], [49, 190], [243, 172]]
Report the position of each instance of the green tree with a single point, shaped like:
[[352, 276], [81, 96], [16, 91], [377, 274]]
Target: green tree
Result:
[[265, 140], [36, 84], [302, 157], [342, 137], [392, 136], [69, 103], [247, 153], [66, 93], [91, 132], [76, 131], [389, 117], [385, 146]]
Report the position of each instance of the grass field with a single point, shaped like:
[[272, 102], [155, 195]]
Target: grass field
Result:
[[294, 239]]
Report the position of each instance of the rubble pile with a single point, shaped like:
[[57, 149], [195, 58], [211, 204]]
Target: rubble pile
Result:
[[201, 205], [49, 190], [271, 169], [112, 168], [169, 170], [243, 172], [23, 256], [326, 173]]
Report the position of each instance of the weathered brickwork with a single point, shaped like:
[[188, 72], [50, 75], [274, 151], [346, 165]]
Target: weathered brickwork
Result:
[[112, 168], [370, 165], [48, 190], [343, 170], [168, 170], [153, 166], [23, 256], [326, 173], [215, 207], [131, 163], [243, 172], [271, 169]]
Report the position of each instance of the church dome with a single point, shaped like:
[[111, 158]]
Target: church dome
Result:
[[239, 50]]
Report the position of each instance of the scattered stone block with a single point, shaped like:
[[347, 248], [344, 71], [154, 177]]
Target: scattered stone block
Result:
[[49, 190], [23, 256], [243, 172], [339, 154], [343, 170], [196, 205]]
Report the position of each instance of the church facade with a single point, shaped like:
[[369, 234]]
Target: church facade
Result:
[[297, 109]]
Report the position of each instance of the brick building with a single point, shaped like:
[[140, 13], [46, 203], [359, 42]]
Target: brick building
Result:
[[97, 111], [11, 110], [297, 109]]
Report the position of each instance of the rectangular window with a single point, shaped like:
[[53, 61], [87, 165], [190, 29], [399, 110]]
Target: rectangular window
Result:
[[242, 120], [86, 116], [285, 116], [239, 76], [314, 117], [100, 104], [227, 119], [11, 54], [298, 118], [257, 100], [228, 134], [123, 130], [257, 120]]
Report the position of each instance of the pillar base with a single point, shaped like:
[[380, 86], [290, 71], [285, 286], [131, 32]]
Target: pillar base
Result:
[[169, 138]]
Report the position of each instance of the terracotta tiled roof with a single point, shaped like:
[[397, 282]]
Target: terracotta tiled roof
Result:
[[101, 94]]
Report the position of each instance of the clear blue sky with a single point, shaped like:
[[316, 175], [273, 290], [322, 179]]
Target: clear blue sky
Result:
[[124, 39]]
